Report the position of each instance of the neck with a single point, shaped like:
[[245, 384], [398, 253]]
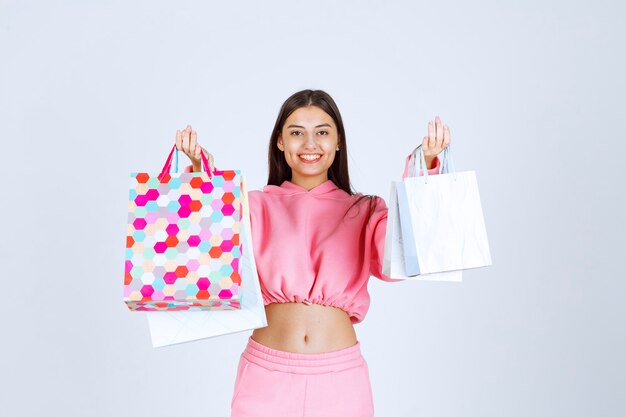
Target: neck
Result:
[[309, 183]]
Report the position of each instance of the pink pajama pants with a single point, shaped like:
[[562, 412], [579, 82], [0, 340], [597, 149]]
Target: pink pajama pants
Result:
[[276, 383]]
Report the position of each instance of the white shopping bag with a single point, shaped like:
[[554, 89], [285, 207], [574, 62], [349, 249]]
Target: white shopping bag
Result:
[[171, 327], [443, 214], [393, 259]]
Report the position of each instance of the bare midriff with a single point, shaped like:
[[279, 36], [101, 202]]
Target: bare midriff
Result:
[[305, 328]]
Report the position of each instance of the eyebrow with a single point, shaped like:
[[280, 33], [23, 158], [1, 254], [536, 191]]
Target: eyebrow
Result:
[[302, 127]]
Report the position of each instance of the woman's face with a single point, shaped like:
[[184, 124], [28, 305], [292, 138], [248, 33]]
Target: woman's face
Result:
[[309, 140]]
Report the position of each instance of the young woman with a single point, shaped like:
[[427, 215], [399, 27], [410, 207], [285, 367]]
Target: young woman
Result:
[[316, 243]]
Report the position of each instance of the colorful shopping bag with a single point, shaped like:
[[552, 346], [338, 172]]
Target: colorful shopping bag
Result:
[[441, 220], [183, 244]]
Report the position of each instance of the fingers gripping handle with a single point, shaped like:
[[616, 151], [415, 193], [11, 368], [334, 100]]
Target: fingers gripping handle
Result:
[[447, 164], [168, 163]]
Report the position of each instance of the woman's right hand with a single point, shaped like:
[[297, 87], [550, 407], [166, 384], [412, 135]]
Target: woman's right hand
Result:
[[187, 141]]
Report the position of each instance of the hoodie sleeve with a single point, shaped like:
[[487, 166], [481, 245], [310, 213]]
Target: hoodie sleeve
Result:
[[379, 220]]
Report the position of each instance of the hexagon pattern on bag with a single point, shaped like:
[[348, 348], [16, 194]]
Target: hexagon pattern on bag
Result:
[[182, 242]]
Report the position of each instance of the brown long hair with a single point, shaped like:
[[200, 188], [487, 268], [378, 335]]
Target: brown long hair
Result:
[[279, 170]]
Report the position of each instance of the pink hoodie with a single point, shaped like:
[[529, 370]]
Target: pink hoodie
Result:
[[307, 251]]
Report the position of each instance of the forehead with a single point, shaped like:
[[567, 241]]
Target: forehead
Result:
[[309, 116]]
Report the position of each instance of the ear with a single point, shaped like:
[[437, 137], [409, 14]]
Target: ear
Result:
[[279, 142]]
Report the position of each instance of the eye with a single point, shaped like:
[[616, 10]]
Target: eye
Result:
[[323, 132], [295, 133]]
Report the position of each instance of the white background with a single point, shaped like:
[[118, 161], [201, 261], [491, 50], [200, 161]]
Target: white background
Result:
[[533, 93]]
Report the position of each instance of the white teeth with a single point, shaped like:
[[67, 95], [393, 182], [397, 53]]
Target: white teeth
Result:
[[310, 157]]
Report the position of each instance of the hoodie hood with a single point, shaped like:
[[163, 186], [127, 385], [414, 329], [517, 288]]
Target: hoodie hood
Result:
[[289, 188]]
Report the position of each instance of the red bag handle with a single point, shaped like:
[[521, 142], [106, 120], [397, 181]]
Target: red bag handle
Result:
[[168, 163]]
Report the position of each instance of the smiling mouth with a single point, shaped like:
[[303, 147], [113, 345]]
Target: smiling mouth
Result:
[[310, 157]]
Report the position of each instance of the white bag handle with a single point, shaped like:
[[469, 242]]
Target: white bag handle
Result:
[[446, 166]]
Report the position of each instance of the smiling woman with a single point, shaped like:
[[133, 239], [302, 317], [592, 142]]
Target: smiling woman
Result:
[[314, 263], [309, 147]]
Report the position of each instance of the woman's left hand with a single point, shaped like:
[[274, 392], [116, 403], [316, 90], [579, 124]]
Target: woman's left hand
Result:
[[437, 140]]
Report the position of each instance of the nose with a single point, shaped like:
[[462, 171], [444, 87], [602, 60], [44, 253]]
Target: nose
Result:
[[310, 143]]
